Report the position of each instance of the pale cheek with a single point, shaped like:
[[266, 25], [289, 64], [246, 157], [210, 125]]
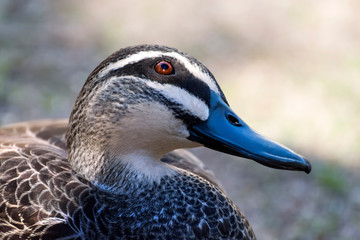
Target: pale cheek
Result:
[[167, 139], [151, 128]]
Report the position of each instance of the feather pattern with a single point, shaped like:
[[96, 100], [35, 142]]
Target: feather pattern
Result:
[[42, 198], [38, 191]]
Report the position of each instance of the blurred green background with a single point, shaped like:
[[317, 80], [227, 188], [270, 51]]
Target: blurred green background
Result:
[[290, 69]]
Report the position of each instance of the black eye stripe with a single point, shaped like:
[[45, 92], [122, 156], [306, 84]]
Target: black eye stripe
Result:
[[181, 76]]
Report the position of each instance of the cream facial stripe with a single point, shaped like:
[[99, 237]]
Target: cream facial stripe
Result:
[[190, 103], [191, 67]]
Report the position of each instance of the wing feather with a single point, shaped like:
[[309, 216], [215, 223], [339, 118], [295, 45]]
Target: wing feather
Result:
[[40, 196]]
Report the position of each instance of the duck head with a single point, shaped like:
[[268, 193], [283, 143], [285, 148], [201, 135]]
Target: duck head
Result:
[[145, 101]]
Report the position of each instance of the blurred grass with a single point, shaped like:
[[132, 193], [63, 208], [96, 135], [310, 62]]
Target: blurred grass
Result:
[[291, 69], [333, 179]]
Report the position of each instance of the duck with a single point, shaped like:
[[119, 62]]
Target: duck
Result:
[[114, 170]]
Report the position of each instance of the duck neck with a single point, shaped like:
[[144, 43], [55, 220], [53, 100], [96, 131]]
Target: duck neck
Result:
[[113, 132], [132, 170], [113, 158], [110, 168]]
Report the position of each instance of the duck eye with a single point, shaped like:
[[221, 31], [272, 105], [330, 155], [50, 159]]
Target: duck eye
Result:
[[164, 68]]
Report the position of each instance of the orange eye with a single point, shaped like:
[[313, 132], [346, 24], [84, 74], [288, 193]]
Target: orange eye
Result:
[[164, 68]]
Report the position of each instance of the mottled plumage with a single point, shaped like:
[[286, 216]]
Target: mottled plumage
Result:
[[104, 175], [42, 198]]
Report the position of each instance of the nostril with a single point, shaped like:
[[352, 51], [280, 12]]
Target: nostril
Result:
[[233, 119]]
